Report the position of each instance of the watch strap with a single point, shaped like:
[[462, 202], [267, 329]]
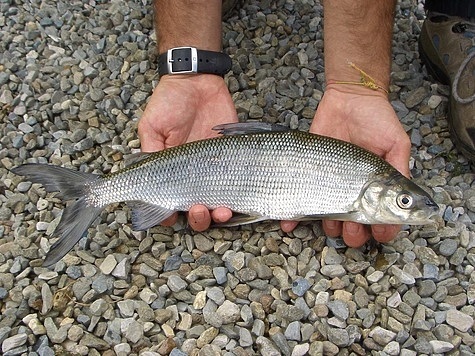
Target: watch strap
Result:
[[190, 60]]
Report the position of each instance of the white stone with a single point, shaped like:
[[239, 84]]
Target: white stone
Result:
[[375, 276], [394, 300], [459, 320], [434, 101], [300, 350], [108, 265], [392, 348], [440, 347], [122, 349], [148, 296], [13, 342]]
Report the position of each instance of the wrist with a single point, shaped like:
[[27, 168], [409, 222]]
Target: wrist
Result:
[[191, 60], [195, 78], [354, 78], [197, 84], [354, 89]]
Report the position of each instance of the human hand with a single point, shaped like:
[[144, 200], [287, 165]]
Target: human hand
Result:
[[184, 108], [367, 119]]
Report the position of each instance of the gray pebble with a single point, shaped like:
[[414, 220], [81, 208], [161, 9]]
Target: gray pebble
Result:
[[339, 337], [103, 284], [220, 273], [402, 276], [430, 271], [258, 327], [300, 286], [426, 288], [216, 294], [132, 330], [281, 343], [229, 312], [176, 284], [25, 128], [245, 337], [382, 336], [333, 271], [292, 332], [339, 309], [172, 263], [266, 347]]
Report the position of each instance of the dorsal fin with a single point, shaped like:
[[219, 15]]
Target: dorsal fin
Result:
[[244, 128]]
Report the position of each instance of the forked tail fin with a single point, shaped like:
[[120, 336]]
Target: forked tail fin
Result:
[[77, 216]]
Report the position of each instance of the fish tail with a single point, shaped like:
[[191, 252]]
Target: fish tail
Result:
[[78, 216]]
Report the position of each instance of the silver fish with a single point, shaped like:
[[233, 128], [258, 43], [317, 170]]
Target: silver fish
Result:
[[259, 170]]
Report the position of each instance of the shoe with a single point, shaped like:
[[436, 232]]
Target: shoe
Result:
[[447, 46]]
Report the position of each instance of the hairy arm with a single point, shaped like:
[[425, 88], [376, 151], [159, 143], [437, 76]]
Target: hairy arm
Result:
[[360, 31], [188, 23]]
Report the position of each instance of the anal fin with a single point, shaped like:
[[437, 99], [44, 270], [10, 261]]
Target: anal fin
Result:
[[350, 216], [146, 215], [240, 219]]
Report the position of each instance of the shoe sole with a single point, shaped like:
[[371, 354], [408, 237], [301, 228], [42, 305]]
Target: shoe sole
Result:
[[432, 68]]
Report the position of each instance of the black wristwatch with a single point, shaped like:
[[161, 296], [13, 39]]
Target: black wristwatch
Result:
[[189, 60]]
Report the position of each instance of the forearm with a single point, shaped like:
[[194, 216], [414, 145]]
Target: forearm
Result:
[[358, 31], [194, 23]]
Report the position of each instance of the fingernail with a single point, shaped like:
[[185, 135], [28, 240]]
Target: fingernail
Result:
[[331, 224], [198, 216], [352, 228], [379, 229]]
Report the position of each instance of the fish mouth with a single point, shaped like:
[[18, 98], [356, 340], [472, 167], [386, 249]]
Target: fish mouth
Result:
[[433, 206]]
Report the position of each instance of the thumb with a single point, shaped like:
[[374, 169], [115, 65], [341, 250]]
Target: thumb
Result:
[[399, 156], [150, 140]]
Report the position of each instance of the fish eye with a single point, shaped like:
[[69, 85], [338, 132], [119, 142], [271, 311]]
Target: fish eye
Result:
[[404, 200]]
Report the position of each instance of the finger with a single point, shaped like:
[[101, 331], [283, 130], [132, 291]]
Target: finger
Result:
[[170, 221], [199, 217], [332, 228], [354, 234], [399, 156], [288, 226], [385, 233], [221, 215]]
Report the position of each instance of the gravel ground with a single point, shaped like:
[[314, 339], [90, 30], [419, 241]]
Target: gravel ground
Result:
[[74, 78]]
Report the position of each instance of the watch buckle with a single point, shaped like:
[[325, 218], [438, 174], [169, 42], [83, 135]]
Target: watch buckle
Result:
[[193, 63]]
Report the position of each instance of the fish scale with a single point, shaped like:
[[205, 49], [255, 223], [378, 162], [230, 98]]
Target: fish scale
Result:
[[277, 176], [261, 171]]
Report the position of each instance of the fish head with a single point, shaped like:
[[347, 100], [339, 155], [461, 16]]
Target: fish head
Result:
[[391, 198]]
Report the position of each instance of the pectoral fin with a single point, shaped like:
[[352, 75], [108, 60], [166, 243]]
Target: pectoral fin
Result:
[[135, 158], [146, 215]]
